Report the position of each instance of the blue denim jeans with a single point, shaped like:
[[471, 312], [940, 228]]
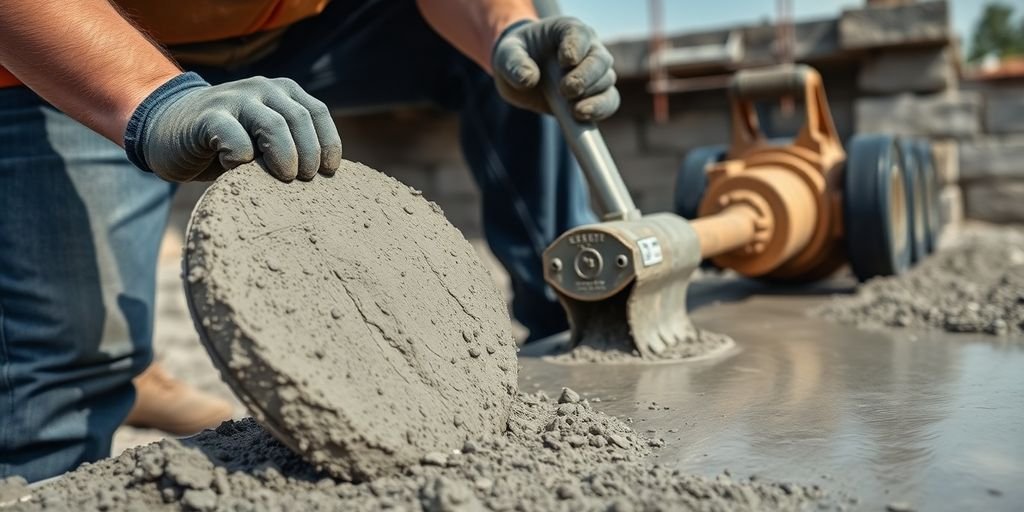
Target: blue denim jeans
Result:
[[80, 227]]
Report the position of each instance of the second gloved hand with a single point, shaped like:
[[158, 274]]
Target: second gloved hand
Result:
[[588, 81], [188, 130]]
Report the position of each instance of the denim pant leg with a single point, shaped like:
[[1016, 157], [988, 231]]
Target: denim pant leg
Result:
[[532, 192], [79, 232], [362, 53]]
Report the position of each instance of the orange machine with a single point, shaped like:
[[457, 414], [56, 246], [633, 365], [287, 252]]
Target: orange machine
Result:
[[800, 209], [791, 191]]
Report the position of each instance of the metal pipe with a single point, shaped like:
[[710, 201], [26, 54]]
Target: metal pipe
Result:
[[725, 231], [586, 142]]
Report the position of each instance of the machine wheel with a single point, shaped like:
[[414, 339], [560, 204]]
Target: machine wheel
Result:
[[692, 179], [914, 183], [929, 175], [875, 208]]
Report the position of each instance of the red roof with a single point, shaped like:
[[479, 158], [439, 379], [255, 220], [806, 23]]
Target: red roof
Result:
[[1010, 67]]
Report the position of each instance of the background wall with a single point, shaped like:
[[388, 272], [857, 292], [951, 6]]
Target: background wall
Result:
[[888, 67]]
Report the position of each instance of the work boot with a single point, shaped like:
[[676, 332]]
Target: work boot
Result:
[[165, 403]]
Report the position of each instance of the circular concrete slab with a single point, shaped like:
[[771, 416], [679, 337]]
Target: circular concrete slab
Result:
[[351, 318]]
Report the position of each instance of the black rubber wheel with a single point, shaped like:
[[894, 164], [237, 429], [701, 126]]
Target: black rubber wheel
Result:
[[875, 208], [913, 184], [930, 177], [692, 179]]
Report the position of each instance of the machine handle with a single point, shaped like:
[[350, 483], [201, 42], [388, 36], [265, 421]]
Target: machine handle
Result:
[[775, 82], [585, 140]]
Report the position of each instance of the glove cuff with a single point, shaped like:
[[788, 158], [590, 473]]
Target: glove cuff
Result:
[[510, 28], [135, 133]]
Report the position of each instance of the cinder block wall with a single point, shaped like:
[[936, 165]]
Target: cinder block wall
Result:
[[419, 147], [889, 68], [991, 160]]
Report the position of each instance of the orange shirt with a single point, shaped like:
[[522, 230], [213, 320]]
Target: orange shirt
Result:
[[195, 21], [7, 79]]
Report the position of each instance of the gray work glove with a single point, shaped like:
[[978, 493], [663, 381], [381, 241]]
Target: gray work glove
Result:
[[588, 80], [188, 130]]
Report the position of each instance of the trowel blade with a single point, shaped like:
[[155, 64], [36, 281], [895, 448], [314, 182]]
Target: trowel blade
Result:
[[349, 316], [639, 303]]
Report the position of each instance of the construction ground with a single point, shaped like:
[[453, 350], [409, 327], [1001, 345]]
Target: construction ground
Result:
[[882, 418]]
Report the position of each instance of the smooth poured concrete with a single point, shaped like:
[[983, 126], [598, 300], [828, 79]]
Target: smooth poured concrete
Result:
[[929, 419]]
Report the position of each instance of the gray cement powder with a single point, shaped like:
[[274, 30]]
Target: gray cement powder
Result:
[[976, 285], [555, 455], [347, 313]]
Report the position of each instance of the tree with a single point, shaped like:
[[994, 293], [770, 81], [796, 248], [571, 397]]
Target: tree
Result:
[[996, 34]]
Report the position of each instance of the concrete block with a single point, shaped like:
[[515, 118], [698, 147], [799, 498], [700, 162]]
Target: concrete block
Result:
[[403, 136], [650, 179], [416, 176], [686, 130], [909, 70], [1004, 111], [622, 133], [939, 115], [842, 113], [816, 39], [910, 24], [777, 123], [463, 211], [654, 201], [453, 179], [630, 57], [813, 39], [995, 201], [649, 172], [992, 157], [947, 163], [951, 205]]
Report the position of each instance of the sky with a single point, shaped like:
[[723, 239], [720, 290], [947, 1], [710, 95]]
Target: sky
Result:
[[616, 19]]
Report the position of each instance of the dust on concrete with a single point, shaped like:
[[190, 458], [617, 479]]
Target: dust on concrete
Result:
[[607, 340], [354, 321], [556, 454], [14, 490], [618, 350], [974, 285]]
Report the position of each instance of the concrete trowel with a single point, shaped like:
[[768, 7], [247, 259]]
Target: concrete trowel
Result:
[[624, 280], [781, 210]]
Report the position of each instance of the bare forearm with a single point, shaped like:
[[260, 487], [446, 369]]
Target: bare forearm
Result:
[[82, 57], [473, 26]]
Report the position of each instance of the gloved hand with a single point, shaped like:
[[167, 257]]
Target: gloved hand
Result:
[[188, 130], [588, 82]]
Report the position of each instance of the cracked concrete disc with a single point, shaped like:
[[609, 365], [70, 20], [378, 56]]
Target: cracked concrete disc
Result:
[[349, 316]]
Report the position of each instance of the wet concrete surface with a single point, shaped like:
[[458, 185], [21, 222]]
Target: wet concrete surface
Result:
[[925, 419]]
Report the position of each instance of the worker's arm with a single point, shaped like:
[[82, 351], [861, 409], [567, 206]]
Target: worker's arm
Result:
[[506, 38], [83, 57]]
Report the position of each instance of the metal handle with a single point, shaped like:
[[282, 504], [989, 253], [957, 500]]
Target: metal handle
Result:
[[771, 83], [586, 141]]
